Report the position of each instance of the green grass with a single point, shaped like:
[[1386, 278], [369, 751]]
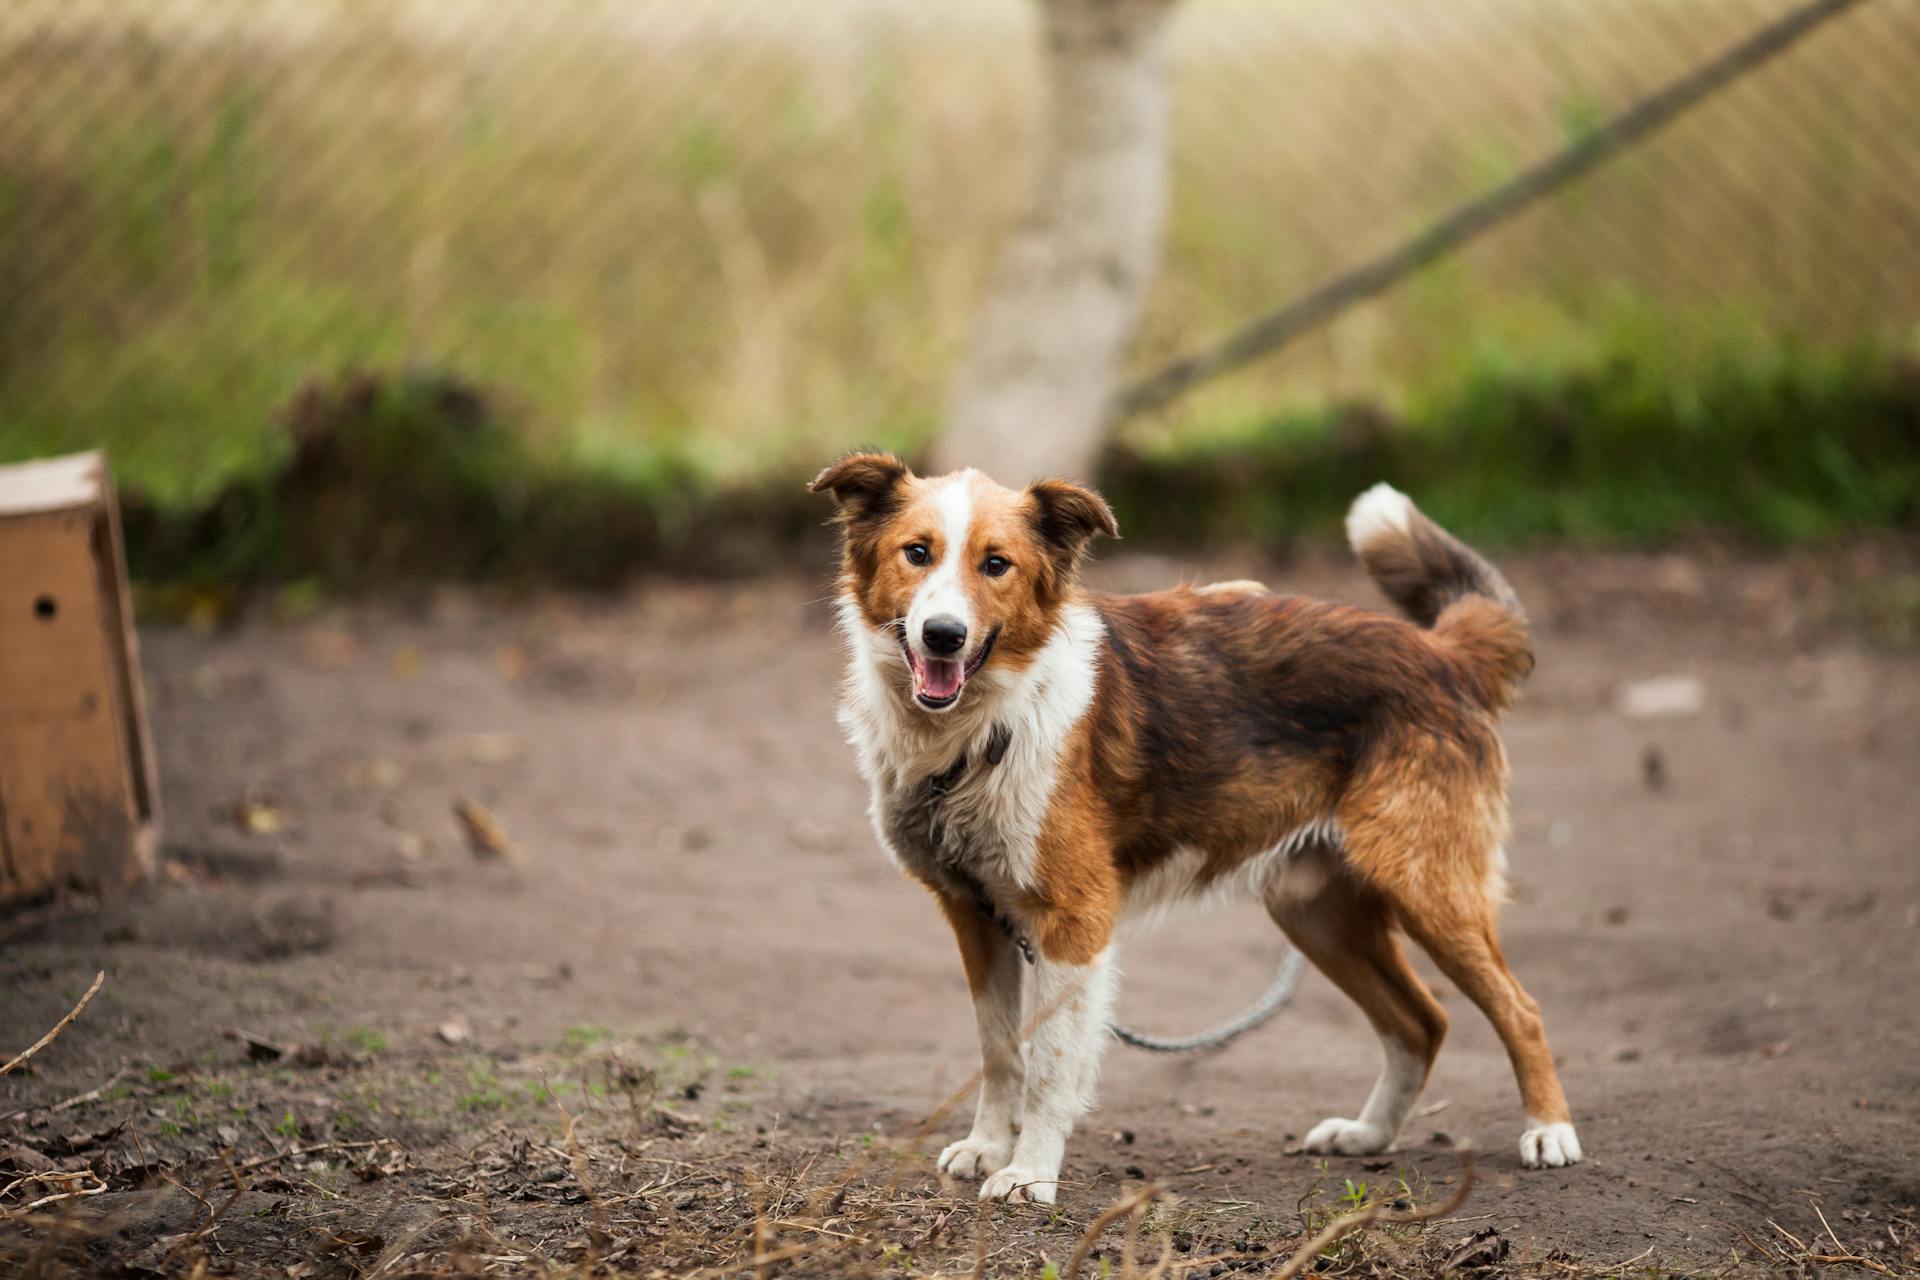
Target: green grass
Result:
[[1617, 435], [367, 1040], [1624, 437], [579, 1038]]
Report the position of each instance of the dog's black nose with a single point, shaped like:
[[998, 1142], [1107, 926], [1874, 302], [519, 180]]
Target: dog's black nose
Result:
[[944, 635]]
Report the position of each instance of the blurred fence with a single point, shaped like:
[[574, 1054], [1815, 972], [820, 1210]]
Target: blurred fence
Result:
[[753, 230]]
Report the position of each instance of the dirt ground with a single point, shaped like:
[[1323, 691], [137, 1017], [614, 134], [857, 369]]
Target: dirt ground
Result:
[[698, 948]]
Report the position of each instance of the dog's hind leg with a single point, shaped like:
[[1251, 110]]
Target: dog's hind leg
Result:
[[1465, 943], [1346, 928], [993, 977]]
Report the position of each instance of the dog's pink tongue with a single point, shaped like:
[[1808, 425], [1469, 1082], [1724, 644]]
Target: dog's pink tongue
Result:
[[941, 678]]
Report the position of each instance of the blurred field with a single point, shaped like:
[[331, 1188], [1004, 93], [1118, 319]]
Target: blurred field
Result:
[[717, 240]]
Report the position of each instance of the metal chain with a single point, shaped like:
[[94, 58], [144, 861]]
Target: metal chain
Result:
[[1233, 1028]]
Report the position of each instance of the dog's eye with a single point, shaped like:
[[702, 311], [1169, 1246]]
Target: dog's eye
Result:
[[995, 566], [917, 553]]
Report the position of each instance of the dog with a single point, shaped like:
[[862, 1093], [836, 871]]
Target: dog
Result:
[[1049, 760]]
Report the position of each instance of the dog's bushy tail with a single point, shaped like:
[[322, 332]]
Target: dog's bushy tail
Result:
[[1443, 584]]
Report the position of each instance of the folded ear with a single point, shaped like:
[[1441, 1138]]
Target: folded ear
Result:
[[1068, 516], [863, 484]]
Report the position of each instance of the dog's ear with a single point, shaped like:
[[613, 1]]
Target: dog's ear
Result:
[[1068, 516], [862, 484]]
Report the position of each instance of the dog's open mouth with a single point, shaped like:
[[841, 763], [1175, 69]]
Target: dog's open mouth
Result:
[[937, 681]]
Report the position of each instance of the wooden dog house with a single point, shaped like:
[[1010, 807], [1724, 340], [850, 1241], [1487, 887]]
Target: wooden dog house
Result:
[[78, 802]]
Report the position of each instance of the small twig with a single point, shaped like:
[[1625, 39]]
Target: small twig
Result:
[[213, 1215], [1114, 1212], [792, 1225], [762, 1236], [260, 1162], [1837, 1242], [58, 1027], [77, 1100], [598, 1236], [1342, 1227], [66, 1195]]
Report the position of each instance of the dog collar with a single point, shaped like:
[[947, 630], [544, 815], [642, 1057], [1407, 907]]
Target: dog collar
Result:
[[938, 786]]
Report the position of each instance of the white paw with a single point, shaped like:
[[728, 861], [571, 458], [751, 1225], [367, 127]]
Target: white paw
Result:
[[973, 1157], [1017, 1185], [1345, 1137], [1549, 1146]]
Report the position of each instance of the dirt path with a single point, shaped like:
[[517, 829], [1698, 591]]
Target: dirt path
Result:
[[1720, 914]]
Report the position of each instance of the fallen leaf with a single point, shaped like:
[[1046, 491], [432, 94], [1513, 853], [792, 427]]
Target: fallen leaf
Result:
[[1484, 1248], [85, 1140], [485, 836], [260, 819], [488, 748], [379, 772], [259, 1048], [21, 1159], [455, 1030], [383, 1163]]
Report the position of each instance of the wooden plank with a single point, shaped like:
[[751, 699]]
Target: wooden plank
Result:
[[116, 603], [67, 804]]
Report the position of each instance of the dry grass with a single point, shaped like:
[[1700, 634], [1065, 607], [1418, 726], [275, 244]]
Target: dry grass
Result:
[[622, 1182], [764, 226]]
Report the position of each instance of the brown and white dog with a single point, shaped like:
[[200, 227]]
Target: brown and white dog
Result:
[[1049, 760]]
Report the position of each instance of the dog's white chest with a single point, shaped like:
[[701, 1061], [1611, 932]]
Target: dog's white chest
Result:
[[941, 806]]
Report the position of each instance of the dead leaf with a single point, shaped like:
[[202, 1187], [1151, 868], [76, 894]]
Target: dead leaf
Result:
[[259, 1048], [85, 1140], [1484, 1248], [384, 1163], [21, 1159], [485, 836], [260, 819], [455, 1030], [380, 773], [488, 748]]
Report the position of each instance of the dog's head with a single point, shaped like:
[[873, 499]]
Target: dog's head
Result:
[[959, 570]]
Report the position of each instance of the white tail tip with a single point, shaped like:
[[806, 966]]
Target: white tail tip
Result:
[[1381, 509]]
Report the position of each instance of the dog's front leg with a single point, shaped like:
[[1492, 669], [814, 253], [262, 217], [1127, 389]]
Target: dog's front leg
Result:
[[1071, 1006], [993, 977]]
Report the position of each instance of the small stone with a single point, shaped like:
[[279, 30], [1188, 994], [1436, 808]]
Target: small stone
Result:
[[1661, 698]]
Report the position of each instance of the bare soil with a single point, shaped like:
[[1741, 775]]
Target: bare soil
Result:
[[698, 950]]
